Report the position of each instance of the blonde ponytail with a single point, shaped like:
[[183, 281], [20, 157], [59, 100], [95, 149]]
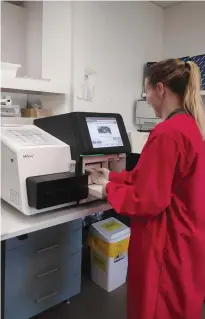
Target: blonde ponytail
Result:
[[192, 100]]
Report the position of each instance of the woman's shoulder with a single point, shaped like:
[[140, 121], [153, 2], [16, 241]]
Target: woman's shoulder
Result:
[[180, 128]]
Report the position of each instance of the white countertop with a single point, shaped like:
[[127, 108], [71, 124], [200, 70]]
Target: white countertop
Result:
[[14, 223]]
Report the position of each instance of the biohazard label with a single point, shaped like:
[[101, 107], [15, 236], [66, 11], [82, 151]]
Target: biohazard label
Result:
[[119, 257], [99, 261], [111, 226]]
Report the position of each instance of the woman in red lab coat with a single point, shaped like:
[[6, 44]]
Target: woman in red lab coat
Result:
[[165, 197]]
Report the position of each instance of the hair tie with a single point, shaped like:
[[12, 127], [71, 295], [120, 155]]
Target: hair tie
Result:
[[186, 65]]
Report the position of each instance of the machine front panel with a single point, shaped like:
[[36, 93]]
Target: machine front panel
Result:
[[56, 189]]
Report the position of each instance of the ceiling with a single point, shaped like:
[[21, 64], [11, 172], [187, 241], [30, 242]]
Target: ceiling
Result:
[[162, 4], [17, 3], [166, 4]]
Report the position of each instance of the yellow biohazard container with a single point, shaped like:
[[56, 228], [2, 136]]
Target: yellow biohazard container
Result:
[[109, 241]]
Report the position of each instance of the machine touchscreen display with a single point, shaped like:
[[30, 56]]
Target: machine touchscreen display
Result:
[[104, 132]]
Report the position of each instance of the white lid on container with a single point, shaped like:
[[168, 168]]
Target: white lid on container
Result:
[[110, 230]]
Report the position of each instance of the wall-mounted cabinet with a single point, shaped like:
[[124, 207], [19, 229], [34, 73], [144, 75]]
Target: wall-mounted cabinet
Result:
[[31, 85], [37, 35]]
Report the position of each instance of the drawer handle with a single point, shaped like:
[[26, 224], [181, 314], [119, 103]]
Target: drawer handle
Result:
[[48, 248], [47, 297], [76, 229], [23, 237], [75, 253], [47, 273]]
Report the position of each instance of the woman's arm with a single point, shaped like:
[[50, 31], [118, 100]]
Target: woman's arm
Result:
[[124, 177], [151, 189]]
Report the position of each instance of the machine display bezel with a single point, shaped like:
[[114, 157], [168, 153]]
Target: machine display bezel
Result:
[[88, 148]]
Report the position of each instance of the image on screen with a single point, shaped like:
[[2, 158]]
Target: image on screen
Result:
[[104, 132]]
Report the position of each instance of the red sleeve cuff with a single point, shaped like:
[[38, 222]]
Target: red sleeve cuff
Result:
[[108, 187], [114, 177]]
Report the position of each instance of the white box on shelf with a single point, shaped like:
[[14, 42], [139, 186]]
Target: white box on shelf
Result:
[[9, 69]]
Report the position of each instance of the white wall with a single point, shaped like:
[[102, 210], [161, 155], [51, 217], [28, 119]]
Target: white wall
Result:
[[56, 40], [184, 29], [38, 36], [115, 39], [13, 34], [56, 51], [34, 11]]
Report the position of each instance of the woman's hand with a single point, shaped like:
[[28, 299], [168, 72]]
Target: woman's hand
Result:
[[99, 176], [104, 189]]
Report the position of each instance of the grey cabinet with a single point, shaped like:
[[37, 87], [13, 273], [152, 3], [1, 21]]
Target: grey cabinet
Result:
[[42, 269]]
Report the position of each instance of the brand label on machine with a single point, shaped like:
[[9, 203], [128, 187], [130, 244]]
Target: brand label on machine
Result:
[[28, 155]]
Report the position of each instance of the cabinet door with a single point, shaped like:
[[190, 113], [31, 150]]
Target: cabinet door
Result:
[[42, 269], [56, 42], [18, 304]]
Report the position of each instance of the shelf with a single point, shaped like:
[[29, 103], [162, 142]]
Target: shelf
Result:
[[29, 85], [202, 94], [16, 120]]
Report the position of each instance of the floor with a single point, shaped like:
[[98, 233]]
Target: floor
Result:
[[92, 303]]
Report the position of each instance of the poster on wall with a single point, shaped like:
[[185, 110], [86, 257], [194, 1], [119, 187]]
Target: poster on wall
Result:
[[87, 87], [200, 61]]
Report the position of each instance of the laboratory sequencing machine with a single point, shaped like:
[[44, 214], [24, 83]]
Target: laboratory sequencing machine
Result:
[[45, 166]]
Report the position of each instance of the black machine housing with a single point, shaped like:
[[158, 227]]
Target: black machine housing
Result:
[[49, 190], [72, 129]]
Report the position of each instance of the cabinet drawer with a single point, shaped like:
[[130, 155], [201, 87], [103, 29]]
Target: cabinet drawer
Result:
[[53, 297], [56, 279], [63, 262], [60, 234], [27, 307], [39, 266], [29, 291]]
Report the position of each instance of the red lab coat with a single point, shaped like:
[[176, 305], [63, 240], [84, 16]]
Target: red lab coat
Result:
[[165, 197]]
